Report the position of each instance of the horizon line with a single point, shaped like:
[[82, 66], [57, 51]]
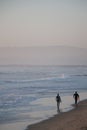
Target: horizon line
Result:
[[37, 46], [74, 65]]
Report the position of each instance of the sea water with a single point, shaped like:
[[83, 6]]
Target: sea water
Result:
[[27, 93]]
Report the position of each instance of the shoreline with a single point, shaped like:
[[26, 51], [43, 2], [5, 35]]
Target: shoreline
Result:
[[74, 119], [65, 107]]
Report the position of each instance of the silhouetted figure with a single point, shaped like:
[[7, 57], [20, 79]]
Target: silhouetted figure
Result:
[[58, 99], [76, 97]]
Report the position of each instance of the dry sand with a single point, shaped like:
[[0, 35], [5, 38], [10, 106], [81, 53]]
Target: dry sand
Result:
[[73, 120]]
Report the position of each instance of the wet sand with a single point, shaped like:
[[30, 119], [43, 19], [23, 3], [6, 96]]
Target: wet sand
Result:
[[75, 119]]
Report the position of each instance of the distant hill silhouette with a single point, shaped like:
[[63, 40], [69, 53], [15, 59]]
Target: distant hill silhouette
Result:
[[51, 55]]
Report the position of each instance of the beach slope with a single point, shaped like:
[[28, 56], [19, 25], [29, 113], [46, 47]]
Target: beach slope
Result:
[[73, 120]]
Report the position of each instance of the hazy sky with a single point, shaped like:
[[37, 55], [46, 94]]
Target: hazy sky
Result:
[[43, 22]]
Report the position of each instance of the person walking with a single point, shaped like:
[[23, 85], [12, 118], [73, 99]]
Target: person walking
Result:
[[76, 97], [58, 99]]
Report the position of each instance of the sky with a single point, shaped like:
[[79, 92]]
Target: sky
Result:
[[43, 23]]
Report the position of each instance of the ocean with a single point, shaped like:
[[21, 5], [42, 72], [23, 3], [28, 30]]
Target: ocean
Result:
[[27, 93]]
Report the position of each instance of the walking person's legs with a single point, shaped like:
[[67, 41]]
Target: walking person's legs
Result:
[[58, 105]]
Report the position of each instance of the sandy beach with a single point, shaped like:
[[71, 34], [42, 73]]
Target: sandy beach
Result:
[[75, 119]]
